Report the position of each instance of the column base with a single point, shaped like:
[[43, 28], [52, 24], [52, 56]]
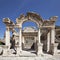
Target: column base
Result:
[[53, 49], [39, 49], [19, 50], [5, 50]]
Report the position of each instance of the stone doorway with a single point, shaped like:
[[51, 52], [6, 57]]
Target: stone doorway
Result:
[[29, 44], [29, 41]]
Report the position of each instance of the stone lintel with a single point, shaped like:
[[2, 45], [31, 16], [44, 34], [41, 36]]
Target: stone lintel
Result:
[[47, 26]]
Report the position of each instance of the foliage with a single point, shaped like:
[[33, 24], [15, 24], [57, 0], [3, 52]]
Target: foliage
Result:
[[1, 43]]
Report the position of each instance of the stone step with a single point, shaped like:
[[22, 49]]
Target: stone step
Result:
[[27, 54], [22, 54]]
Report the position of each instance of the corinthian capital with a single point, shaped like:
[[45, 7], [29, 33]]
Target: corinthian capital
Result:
[[54, 18]]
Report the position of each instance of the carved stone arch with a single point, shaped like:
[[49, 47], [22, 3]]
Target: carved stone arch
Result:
[[25, 20], [36, 17], [30, 17]]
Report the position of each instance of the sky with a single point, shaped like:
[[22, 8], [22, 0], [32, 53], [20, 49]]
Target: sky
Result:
[[13, 8]]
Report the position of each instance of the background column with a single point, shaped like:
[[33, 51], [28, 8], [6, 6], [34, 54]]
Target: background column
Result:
[[48, 41], [35, 43], [52, 36], [39, 34], [23, 42]]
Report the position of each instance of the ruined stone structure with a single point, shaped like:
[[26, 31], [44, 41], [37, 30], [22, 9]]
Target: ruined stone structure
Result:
[[40, 40]]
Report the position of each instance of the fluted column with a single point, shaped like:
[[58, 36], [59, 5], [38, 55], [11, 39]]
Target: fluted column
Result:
[[20, 38], [48, 41], [23, 42], [39, 34], [7, 42], [52, 36], [35, 42], [19, 47], [39, 44], [7, 37], [52, 40]]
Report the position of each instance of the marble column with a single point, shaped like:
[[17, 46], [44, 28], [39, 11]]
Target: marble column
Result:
[[52, 40], [48, 41], [7, 42], [20, 38], [23, 43], [39, 44], [35, 43], [7, 37], [52, 36], [39, 34], [19, 47], [23, 40]]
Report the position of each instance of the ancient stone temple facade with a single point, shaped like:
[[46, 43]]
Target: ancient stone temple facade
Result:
[[40, 40]]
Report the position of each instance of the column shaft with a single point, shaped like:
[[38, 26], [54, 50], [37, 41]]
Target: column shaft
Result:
[[7, 38], [39, 34], [39, 44], [52, 48], [35, 43], [48, 41], [23, 40], [20, 37], [23, 43], [52, 36]]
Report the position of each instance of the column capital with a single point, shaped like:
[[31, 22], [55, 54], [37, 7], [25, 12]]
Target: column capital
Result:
[[38, 28], [53, 27], [20, 27], [7, 28]]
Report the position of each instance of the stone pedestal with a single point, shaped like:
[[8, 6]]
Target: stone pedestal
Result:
[[39, 49], [55, 48], [5, 51], [18, 51]]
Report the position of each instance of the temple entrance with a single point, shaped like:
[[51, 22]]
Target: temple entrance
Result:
[[29, 44], [29, 41], [29, 34]]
